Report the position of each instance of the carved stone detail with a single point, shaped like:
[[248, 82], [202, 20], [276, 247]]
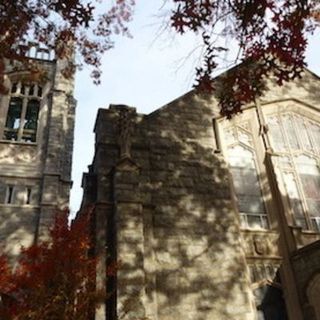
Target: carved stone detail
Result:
[[263, 270], [125, 126], [260, 245]]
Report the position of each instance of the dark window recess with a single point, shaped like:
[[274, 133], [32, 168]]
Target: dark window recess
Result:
[[23, 113], [14, 88], [31, 121], [13, 119], [31, 90], [28, 200], [9, 199], [39, 91]]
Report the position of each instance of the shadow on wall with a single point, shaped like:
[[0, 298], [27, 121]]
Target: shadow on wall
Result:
[[192, 258], [188, 255]]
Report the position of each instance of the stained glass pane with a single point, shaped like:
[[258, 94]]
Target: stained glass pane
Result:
[[310, 178], [315, 131], [290, 131], [278, 141], [294, 198], [230, 136], [244, 137], [303, 134]]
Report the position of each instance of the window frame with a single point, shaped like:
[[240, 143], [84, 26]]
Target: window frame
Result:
[[26, 98], [10, 195], [306, 113], [250, 117]]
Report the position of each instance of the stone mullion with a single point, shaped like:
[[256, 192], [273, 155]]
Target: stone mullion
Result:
[[22, 117]]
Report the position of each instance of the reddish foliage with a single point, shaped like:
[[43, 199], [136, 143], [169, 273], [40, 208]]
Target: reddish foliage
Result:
[[271, 34], [53, 280], [61, 25]]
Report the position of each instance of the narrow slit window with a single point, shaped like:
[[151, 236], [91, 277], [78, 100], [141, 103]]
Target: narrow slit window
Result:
[[31, 90], [39, 91], [28, 199], [9, 197], [23, 89]]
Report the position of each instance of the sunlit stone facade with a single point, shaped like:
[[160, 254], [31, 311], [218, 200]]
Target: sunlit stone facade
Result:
[[36, 141], [210, 218]]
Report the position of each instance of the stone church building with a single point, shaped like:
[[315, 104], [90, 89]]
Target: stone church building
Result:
[[211, 219], [36, 143]]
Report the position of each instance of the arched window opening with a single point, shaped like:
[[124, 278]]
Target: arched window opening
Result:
[[247, 188], [242, 163], [296, 140], [23, 113]]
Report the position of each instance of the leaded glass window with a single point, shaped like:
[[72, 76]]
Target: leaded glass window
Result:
[[296, 140], [23, 111], [243, 168]]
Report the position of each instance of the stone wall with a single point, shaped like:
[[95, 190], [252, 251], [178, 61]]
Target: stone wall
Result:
[[165, 208], [176, 232], [39, 172]]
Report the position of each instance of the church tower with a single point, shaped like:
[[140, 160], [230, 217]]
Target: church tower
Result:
[[36, 140]]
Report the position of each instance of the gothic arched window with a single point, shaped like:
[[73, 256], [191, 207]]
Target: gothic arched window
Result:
[[296, 141], [23, 112], [242, 163]]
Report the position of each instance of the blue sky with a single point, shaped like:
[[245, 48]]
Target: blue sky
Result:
[[146, 72]]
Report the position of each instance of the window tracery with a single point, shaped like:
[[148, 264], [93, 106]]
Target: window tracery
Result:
[[242, 164], [23, 112], [296, 140]]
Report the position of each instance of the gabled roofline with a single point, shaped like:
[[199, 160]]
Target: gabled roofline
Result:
[[291, 99], [193, 91]]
